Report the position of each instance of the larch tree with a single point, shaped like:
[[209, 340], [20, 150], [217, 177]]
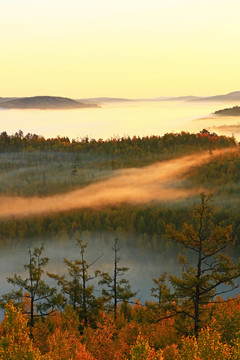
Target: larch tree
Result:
[[116, 290], [33, 290], [76, 287], [214, 273], [161, 291]]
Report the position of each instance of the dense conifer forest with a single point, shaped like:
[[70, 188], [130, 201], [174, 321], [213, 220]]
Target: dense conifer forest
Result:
[[31, 165], [192, 316]]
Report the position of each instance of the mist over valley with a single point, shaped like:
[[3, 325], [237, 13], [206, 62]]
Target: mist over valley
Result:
[[117, 119], [97, 190], [120, 180]]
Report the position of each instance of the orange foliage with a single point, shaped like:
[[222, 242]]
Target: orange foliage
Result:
[[65, 345], [100, 341], [58, 337], [137, 335], [15, 342]]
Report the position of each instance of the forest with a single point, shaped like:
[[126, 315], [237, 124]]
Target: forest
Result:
[[33, 166], [233, 111], [88, 313]]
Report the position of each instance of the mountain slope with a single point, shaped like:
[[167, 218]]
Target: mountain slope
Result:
[[231, 97], [234, 111], [44, 102]]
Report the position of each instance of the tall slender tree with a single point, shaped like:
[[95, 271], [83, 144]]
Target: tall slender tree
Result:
[[161, 291], [76, 288], [115, 290], [213, 269], [42, 298]]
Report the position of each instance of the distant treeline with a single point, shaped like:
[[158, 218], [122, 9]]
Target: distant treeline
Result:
[[117, 146], [32, 165], [234, 111], [146, 224]]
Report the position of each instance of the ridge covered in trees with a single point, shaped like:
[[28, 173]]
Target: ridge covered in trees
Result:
[[31, 165], [233, 111], [43, 102], [171, 142]]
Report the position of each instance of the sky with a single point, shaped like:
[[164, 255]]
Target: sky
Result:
[[127, 48]]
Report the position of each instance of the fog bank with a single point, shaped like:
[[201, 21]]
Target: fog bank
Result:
[[155, 183]]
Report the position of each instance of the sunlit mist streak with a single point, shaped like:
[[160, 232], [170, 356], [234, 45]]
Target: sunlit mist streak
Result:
[[134, 186]]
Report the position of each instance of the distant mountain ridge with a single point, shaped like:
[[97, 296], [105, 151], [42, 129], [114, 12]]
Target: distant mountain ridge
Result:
[[43, 103], [105, 100], [56, 102], [112, 99], [2, 99], [230, 97]]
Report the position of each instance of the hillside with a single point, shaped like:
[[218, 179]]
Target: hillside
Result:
[[4, 99], [231, 97], [105, 100], [234, 111], [44, 103], [225, 98], [31, 165], [53, 102]]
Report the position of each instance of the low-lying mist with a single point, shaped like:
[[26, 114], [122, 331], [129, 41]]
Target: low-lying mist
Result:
[[143, 262], [155, 183], [36, 173], [223, 125]]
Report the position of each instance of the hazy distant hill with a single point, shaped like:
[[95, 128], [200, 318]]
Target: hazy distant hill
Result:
[[228, 98], [112, 100], [105, 100], [177, 98], [231, 97], [53, 102], [43, 102], [234, 111], [2, 99]]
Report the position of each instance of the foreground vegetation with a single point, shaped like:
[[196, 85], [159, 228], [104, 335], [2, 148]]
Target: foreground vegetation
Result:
[[186, 322], [136, 336], [74, 319]]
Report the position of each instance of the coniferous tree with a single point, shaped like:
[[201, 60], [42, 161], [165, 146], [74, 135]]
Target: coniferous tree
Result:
[[33, 290], [116, 290], [161, 291], [76, 288], [199, 284]]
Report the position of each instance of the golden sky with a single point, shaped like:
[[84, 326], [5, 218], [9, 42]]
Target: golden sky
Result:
[[127, 48]]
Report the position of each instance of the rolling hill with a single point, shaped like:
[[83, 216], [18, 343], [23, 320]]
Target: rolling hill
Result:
[[44, 103], [234, 111], [231, 97]]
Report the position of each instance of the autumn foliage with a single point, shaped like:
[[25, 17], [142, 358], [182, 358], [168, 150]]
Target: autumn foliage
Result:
[[138, 337]]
